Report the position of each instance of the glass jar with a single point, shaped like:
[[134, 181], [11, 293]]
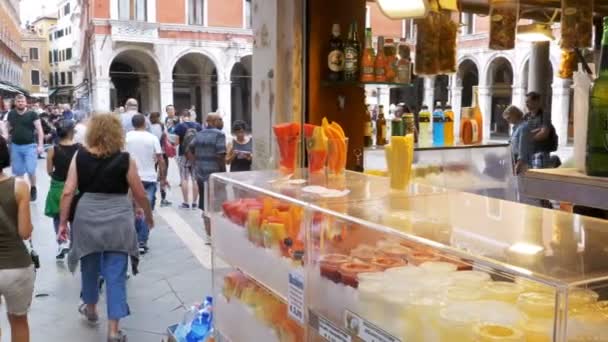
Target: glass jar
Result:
[[503, 24]]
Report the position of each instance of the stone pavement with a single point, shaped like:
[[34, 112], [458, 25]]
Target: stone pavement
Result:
[[174, 274]]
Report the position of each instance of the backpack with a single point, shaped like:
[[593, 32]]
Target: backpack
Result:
[[188, 139], [552, 141]]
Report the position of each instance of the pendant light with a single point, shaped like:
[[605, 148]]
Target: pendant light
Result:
[[402, 9], [535, 33]]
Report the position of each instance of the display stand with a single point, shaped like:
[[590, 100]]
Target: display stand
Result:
[[424, 264]]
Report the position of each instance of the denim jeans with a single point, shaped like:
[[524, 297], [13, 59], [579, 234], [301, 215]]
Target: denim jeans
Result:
[[24, 159], [150, 188], [143, 232], [113, 267]]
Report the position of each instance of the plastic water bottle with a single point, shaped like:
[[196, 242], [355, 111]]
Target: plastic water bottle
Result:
[[208, 307], [438, 126], [183, 328], [200, 328]]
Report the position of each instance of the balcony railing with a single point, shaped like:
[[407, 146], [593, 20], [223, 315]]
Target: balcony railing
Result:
[[134, 31]]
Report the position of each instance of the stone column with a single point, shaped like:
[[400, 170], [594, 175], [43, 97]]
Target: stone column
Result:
[[224, 102], [101, 95], [153, 103], [519, 97], [456, 100], [485, 105], [429, 92], [560, 108], [538, 78], [166, 96]]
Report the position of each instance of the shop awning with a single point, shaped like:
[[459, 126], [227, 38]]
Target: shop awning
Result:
[[39, 95], [9, 89], [66, 91]]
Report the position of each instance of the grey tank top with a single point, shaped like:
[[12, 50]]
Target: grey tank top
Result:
[[13, 253]]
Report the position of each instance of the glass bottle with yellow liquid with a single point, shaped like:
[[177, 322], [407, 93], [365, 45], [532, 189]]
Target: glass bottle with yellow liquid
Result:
[[448, 125], [597, 131], [425, 129]]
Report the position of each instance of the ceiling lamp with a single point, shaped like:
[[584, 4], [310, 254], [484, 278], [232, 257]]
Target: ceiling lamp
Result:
[[535, 33], [401, 9]]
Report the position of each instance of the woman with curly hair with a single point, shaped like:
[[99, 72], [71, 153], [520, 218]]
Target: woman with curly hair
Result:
[[103, 232]]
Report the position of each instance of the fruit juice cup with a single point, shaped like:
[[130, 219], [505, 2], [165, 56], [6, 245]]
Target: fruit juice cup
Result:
[[330, 266], [537, 304], [249, 293], [393, 311], [418, 257], [492, 332], [369, 293], [386, 262], [457, 293], [363, 252], [337, 154], [288, 153], [350, 270], [588, 324], [538, 329], [317, 152], [579, 297], [533, 286], [402, 274], [475, 279], [503, 291], [456, 324], [421, 317], [438, 267]]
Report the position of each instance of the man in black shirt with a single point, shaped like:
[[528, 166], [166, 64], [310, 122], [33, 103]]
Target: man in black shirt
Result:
[[27, 141]]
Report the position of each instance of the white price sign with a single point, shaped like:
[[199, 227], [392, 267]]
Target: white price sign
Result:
[[295, 296], [330, 333], [365, 330]]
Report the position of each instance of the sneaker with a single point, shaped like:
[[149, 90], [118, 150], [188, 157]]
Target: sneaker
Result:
[[143, 248], [33, 194], [184, 206], [62, 251], [165, 203], [194, 206]]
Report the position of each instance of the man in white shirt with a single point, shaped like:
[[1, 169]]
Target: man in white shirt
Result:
[[145, 149]]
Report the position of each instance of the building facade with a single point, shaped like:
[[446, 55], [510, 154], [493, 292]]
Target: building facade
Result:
[[10, 46], [63, 37], [36, 67], [190, 53]]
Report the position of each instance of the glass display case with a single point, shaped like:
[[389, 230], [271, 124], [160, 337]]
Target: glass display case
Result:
[[304, 258], [485, 169]]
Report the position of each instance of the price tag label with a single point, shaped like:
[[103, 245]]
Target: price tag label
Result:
[[366, 331], [331, 333], [295, 296]]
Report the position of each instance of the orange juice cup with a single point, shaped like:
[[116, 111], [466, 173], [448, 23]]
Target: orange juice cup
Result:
[[287, 148], [337, 156], [317, 155]]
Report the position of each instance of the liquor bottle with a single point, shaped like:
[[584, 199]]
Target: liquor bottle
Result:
[[477, 115], [390, 51], [335, 59], [351, 55], [448, 126], [425, 130], [438, 125], [368, 59], [368, 139], [381, 62], [596, 161], [381, 128], [404, 65]]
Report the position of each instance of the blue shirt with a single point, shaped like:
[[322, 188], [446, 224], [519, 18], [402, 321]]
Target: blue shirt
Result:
[[522, 145], [181, 130], [208, 145]]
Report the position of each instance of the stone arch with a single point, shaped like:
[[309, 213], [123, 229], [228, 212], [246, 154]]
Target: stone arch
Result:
[[241, 88], [134, 72], [488, 70], [195, 82], [196, 51]]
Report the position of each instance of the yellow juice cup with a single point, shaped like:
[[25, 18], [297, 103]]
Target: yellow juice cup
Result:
[[422, 317], [475, 279], [502, 291], [438, 267], [456, 324], [491, 332], [456, 293]]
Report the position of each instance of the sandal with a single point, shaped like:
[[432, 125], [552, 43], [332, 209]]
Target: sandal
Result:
[[92, 317], [121, 337]]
